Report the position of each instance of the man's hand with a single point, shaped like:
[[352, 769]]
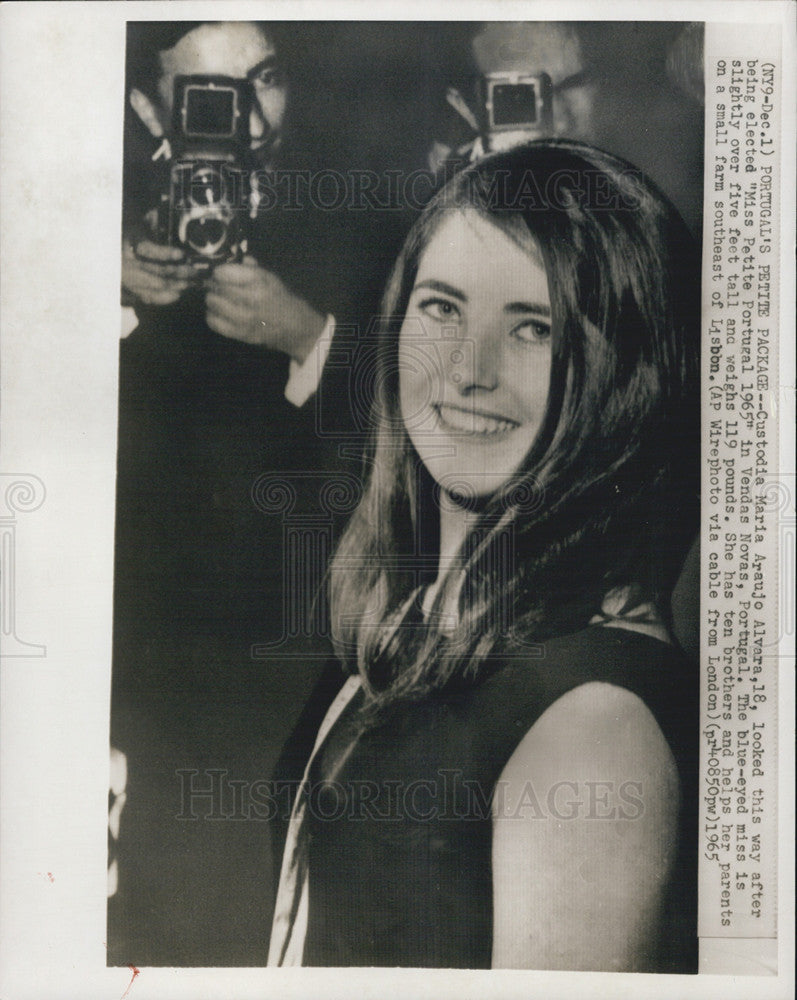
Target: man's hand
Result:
[[156, 275], [248, 303]]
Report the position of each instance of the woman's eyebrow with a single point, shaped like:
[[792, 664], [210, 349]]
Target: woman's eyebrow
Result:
[[442, 286], [540, 308]]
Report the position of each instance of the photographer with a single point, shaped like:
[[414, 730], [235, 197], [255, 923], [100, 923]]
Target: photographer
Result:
[[219, 387], [634, 89], [217, 378], [242, 300]]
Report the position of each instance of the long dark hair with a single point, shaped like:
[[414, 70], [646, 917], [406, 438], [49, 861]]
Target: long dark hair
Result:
[[607, 496]]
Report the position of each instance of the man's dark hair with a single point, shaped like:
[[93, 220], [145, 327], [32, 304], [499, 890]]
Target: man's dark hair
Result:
[[147, 39]]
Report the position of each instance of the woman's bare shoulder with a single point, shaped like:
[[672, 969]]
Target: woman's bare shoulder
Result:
[[585, 832], [595, 725]]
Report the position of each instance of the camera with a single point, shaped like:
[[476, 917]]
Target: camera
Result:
[[205, 209], [515, 107]]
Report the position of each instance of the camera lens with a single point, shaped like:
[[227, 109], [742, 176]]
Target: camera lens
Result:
[[207, 186], [206, 236]]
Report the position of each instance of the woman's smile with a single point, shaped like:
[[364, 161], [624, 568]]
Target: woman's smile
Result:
[[475, 423]]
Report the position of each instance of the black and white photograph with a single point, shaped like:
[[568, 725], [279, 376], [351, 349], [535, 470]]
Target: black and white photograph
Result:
[[411, 509]]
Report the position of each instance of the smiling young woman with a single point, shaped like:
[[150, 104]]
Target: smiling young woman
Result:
[[478, 376], [507, 776]]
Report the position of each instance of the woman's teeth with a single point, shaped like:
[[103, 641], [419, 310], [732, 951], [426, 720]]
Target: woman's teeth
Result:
[[473, 423]]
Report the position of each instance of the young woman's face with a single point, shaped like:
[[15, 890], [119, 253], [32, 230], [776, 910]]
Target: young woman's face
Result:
[[475, 354]]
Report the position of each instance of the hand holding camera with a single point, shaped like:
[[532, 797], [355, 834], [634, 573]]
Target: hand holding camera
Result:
[[199, 228], [200, 218], [156, 274], [248, 303]]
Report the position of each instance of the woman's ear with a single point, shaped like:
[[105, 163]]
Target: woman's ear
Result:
[[145, 110]]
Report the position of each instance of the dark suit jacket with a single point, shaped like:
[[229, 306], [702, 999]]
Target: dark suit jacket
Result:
[[223, 532]]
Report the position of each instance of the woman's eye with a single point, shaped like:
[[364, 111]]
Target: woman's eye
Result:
[[439, 309], [532, 331]]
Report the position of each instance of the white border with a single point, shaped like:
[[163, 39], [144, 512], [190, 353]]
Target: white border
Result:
[[61, 88]]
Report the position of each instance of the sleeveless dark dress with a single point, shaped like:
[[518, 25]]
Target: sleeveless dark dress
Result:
[[399, 815]]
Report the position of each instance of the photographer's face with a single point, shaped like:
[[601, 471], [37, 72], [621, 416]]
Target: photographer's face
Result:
[[475, 354], [543, 47], [238, 49]]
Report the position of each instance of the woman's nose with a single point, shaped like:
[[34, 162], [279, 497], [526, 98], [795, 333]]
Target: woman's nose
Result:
[[474, 364]]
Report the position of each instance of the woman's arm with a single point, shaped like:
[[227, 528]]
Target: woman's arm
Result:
[[584, 836]]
